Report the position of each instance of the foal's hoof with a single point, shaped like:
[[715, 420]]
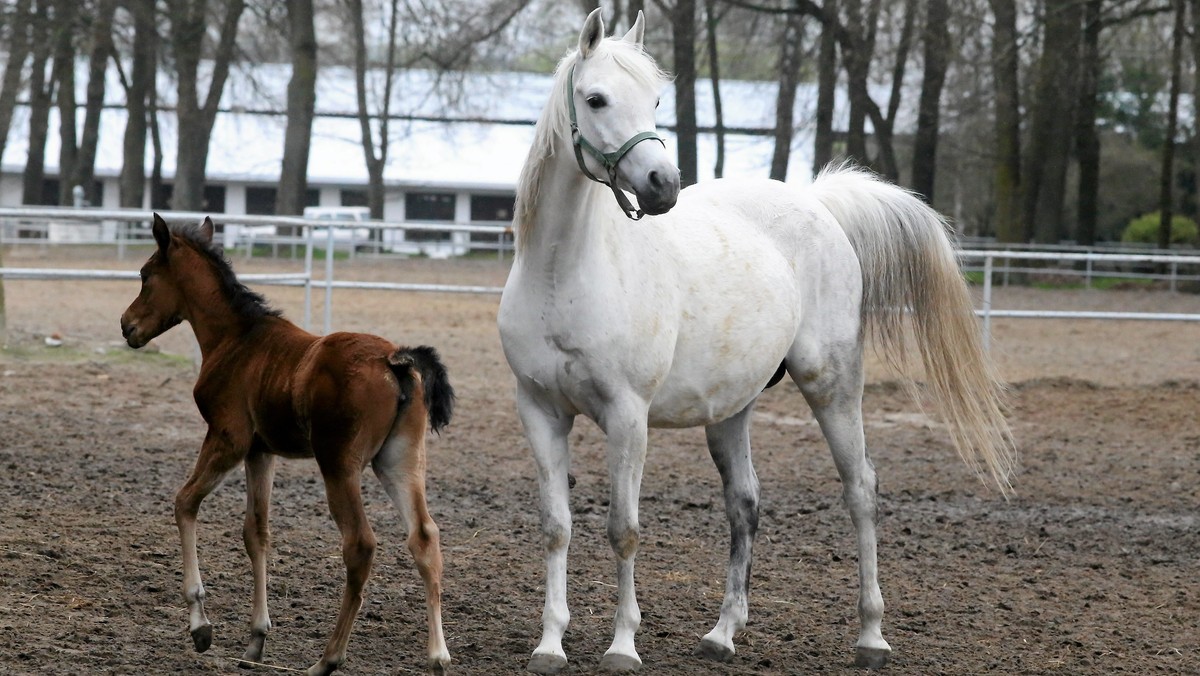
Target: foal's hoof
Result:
[[871, 658], [202, 637], [546, 663], [711, 650], [619, 663]]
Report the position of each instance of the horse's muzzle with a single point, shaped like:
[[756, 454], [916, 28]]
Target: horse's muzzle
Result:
[[661, 192]]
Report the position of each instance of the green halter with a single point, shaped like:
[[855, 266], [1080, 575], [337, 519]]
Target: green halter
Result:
[[607, 160]]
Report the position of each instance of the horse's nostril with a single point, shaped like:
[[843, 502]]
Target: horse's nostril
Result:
[[656, 179]]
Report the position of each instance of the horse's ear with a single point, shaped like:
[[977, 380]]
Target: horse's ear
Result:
[[206, 230], [162, 233], [638, 31], [592, 33]]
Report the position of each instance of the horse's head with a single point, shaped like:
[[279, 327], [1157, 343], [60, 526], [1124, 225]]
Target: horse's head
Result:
[[612, 92], [160, 304]]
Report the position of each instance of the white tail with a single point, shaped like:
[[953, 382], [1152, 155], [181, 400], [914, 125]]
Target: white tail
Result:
[[908, 262]]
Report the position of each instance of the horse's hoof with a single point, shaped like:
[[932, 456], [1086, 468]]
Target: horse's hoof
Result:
[[202, 637], [711, 650], [546, 663], [619, 663], [871, 658], [254, 652], [438, 665]]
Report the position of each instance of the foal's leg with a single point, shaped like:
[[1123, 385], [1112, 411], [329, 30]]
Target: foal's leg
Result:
[[729, 445], [835, 396], [217, 457], [625, 427], [260, 471], [400, 467], [547, 433], [344, 493]]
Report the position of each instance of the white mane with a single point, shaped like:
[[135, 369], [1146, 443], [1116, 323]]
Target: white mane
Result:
[[554, 122]]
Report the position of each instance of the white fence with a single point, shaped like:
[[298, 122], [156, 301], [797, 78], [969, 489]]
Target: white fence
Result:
[[21, 226]]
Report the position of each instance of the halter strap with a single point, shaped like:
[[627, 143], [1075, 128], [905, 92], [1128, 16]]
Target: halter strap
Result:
[[607, 160]]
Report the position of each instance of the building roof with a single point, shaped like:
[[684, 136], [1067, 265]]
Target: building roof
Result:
[[247, 143]]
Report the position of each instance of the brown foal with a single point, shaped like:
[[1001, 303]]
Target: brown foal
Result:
[[268, 388]]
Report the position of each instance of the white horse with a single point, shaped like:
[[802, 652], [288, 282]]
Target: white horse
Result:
[[681, 319]]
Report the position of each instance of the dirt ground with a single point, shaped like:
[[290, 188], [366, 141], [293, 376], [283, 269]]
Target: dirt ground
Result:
[[1093, 568]]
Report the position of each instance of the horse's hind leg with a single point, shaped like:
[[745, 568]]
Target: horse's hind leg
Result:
[[217, 457], [400, 467], [729, 445], [834, 391], [344, 494], [260, 471]]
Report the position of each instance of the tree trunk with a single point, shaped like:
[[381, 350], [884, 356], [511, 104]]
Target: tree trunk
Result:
[[301, 102], [101, 50], [195, 121], [140, 86], [1087, 140], [858, 69], [375, 161], [1045, 173], [937, 57], [826, 86], [18, 54], [714, 72], [64, 76], [683, 28], [1007, 172], [41, 93], [1167, 179], [785, 101]]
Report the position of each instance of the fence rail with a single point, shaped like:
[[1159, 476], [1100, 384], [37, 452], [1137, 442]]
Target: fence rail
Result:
[[1179, 268]]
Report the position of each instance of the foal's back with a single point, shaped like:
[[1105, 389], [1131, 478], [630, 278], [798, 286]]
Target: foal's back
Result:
[[293, 390]]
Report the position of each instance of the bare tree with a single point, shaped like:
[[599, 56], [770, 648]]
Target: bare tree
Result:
[[101, 49], [66, 14], [17, 24], [790, 52], [1044, 175], [375, 155], [1007, 115], [1087, 139], [41, 94], [826, 83], [937, 57], [301, 105], [139, 89], [683, 28], [712, 19], [189, 21], [1166, 204]]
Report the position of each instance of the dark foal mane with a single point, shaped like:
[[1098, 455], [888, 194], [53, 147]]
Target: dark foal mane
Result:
[[242, 301]]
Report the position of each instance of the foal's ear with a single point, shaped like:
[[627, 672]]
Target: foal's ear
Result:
[[162, 233], [637, 31], [592, 33], [206, 230]]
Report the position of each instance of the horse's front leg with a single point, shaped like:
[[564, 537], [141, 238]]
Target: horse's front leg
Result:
[[260, 472], [217, 457], [547, 432], [625, 428], [729, 445]]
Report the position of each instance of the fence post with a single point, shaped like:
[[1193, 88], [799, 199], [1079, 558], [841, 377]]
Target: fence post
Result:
[[1174, 272], [329, 282], [987, 304], [308, 272], [1088, 276]]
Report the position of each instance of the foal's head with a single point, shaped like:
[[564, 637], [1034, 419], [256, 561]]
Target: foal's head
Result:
[[185, 265]]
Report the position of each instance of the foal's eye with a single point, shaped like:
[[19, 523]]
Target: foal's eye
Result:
[[596, 102]]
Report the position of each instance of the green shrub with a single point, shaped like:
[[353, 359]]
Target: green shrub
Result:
[[1144, 229]]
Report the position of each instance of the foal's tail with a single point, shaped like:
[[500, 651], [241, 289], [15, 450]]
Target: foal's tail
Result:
[[439, 395], [909, 263]]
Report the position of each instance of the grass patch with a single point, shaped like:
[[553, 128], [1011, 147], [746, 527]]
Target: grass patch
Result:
[[66, 354]]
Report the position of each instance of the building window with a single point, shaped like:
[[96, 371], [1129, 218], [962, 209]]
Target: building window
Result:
[[214, 199], [428, 206], [260, 200], [492, 207], [354, 198]]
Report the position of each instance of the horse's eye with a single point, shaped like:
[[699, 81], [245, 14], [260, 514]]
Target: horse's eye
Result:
[[656, 102], [596, 101], [144, 276]]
